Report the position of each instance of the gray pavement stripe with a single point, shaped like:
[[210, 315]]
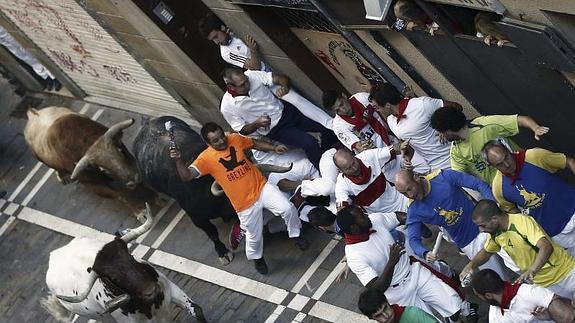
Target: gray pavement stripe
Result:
[[168, 229]]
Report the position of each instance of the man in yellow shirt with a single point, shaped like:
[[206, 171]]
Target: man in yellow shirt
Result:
[[541, 261]]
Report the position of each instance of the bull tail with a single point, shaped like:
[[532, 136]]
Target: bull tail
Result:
[[53, 306]]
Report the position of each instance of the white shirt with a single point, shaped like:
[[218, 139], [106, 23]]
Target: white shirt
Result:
[[348, 135], [527, 299], [241, 110], [237, 53], [416, 125], [390, 200], [368, 259]]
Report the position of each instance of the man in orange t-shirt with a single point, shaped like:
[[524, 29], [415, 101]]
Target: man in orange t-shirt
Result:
[[244, 185]]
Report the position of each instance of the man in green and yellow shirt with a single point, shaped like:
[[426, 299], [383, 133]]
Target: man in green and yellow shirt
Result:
[[469, 136], [541, 261]]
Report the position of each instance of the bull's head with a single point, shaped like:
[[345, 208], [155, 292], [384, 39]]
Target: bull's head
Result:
[[110, 155], [135, 285]]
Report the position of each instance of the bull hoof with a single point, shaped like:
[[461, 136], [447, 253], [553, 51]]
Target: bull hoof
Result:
[[64, 178], [227, 258], [199, 313]]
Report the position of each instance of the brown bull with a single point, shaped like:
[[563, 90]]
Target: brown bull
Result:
[[78, 148]]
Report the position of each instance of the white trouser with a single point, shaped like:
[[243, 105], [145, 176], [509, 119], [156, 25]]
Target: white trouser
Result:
[[423, 289], [493, 263], [15, 48], [565, 287], [251, 219], [307, 108], [566, 238]]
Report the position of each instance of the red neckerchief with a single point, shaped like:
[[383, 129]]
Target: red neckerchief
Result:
[[234, 93], [509, 292], [519, 162], [397, 312], [364, 115], [357, 238], [401, 109], [364, 174]]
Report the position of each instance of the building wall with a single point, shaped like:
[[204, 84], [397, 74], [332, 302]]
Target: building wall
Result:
[[237, 20], [153, 49], [420, 64]]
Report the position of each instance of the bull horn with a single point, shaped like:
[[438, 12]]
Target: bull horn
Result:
[[115, 129], [82, 296], [269, 168], [116, 302], [82, 164], [216, 189], [134, 233]]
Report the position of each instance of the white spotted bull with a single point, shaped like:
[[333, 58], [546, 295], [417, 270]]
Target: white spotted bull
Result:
[[94, 279]]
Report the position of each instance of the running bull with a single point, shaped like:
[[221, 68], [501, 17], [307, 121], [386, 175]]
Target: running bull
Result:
[[78, 148], [92, 279]]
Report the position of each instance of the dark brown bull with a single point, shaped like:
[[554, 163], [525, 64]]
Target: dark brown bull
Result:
[[78, 148]]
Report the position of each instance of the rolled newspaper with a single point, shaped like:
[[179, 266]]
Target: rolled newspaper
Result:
[[437, 243]]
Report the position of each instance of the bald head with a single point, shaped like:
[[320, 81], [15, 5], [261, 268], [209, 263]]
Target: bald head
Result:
[[409, 185], [346, 162], [499, 156], [488, 216]]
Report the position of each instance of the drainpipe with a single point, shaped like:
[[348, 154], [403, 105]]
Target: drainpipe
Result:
[[361, 47]]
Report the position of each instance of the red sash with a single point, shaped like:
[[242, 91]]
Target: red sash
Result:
[[519, 162], [371, 193], [401, 109], [397, 312], [509, 292], [364, 115], [357, 238]]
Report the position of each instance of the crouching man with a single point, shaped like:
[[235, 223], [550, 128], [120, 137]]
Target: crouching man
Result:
[[368, 252], [511, 303]]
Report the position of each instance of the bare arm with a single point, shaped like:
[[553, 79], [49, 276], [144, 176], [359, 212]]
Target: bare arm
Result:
[[186, 174], [480, 258], [260, 122], [451, 104], [254, 61], [383, 282], [561, 310], [263, 145], [545, 250], [528, 122]]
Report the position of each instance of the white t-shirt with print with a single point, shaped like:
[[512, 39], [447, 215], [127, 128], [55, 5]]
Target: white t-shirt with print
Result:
[[237, 53], [348, 135]]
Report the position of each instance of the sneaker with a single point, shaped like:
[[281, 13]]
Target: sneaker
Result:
[[302, 243], [261, 266], [297, 200], [469, 311], [237, 234]]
